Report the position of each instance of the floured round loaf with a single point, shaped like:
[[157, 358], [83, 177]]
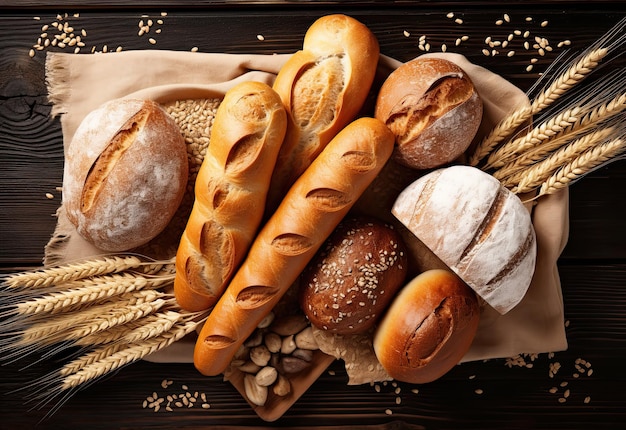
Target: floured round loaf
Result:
[[433, 109], [477, 227], [125, 174]]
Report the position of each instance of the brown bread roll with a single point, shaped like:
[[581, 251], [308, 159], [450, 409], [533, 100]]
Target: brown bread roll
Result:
[[434, 110], [125, 174], [230, 193], [323, 87], [428, 328], [478, 228], [310, 211], [354, 276]]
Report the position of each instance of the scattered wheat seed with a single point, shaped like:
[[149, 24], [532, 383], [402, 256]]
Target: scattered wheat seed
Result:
[[406, 33], [562, 400], [544, 23], [587, 399], [163, 13], [486, 52], [510, 53], [458, 21], [31, 53], [388, 411], [260, 37], [553, 390], [36, 18], [507, 18], [499, 22], [444, 48], [478, 391], [194, 49], [450, 15]]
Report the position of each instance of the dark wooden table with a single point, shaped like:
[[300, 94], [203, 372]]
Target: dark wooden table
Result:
[[592, 267]]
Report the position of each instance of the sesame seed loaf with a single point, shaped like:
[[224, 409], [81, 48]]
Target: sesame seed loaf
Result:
[[230, 192], [478, 228], [434, 110], [354, 276], [125, 174]]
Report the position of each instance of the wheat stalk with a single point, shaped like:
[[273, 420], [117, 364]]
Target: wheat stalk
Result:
[[582, 165], [88, 291], [575, 74], [129, 354], [536, 136], [134, 331], [72, 272], [533, 176]]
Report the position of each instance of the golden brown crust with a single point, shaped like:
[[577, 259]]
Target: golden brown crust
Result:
[[310, 211], [231, 189], [434, 110], [354, 276], [323, 88], [428, 328], [125, 174]]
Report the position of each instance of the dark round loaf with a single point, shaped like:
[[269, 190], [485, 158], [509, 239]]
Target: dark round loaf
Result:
[[433, 109], [125, 174], [354, 276], [428, 328]]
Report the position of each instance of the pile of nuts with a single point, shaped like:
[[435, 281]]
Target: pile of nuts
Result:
[[280, 347]]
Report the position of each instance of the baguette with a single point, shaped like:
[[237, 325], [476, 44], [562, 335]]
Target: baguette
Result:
[[310, 211], [230, 192], [323, 87]]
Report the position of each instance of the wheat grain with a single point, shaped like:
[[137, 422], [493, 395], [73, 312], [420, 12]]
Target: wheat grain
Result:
[[127, 355], [72, 271], [582, 165]]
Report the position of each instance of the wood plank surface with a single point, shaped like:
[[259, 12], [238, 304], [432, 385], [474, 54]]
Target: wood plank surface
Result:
[[592, 267]]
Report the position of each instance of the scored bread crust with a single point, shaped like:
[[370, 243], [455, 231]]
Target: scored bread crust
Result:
[[323, 87], [434, 110], [428, 328], [230, 192], [308, 214], [125, 174], [478, 228]]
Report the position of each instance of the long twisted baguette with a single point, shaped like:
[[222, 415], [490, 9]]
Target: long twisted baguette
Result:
[[310, 211], [230, 192]]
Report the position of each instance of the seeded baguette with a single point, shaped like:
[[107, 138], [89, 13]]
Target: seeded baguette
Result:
[[230, 193], [311, 210], [323, 87]]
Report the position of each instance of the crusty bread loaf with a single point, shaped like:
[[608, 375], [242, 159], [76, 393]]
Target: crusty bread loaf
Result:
[[428, 328], [125, 174], [354, 276], [323, 86], [434, 110], [310, 211], [477, 227], [230, 193]]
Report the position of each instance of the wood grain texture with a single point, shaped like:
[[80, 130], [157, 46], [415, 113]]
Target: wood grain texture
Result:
[[592, 267]]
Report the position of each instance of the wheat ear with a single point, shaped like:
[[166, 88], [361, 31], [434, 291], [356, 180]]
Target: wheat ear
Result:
[[533, 176], [89, 291], [72, 272], [582, 165], [129, 354]]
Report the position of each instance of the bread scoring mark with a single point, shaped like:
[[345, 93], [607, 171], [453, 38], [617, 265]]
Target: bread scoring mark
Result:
[[255, 296], [291, 244], [421, 202], [482, 233], [216, 341], [360, 161], [430, 335], [244, 153], [328, 199], [108, 158], [414, 113], [220, 194], [249, 108], [316, 94], [217, 248], [514, 261]]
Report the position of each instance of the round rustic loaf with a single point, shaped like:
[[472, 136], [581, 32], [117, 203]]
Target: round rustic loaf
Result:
[[477, 227], [125, 174], [428, 328], [354, 276], [433, 109]]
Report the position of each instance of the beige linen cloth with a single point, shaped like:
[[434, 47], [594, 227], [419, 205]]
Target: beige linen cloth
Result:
[[77, 84]]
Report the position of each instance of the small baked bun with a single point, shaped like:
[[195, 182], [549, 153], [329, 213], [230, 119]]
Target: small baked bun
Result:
[[428, 328], [432, 107], [354, 276], [477, 227], [125, 174]]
